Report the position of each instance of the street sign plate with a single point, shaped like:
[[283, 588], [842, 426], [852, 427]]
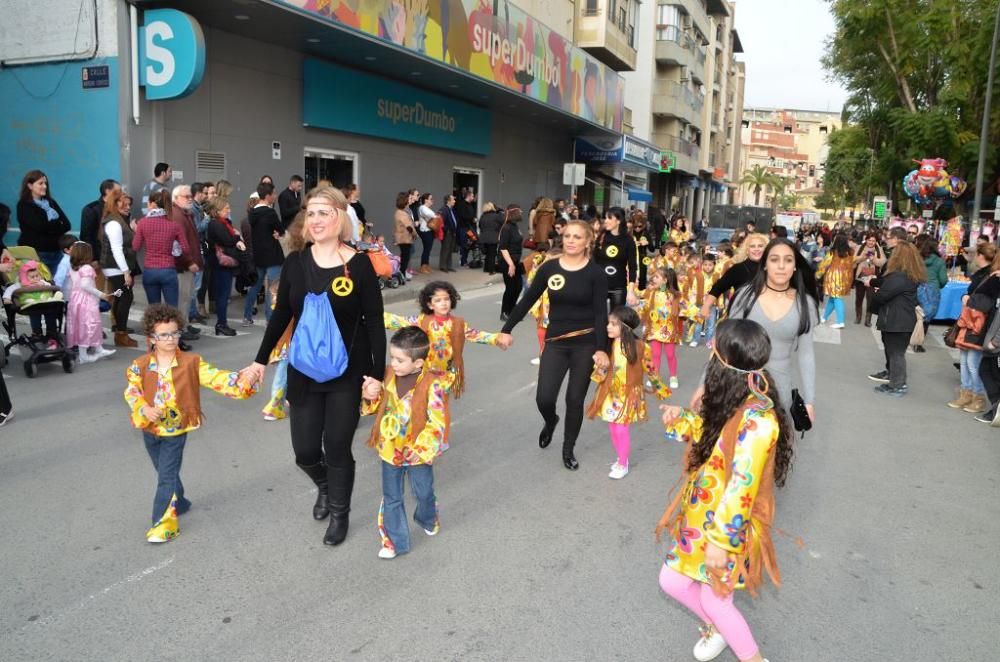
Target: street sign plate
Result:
[[574, 174]]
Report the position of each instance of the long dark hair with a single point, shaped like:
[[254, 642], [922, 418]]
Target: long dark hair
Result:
[[803, 280], [616, 212], [841, 248], [629, 322], [30, 178], [744, 345]]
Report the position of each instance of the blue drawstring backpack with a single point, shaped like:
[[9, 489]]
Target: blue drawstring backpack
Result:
[[317, 348]]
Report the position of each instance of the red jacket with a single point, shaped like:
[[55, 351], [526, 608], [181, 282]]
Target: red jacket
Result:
[[184, 218]]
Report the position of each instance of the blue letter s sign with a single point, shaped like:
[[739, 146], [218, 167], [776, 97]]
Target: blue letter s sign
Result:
[[171, 54]]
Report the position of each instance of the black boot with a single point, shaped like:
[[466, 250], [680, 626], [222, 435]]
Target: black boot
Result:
[[868, 319], [317, 472], [545, 438], [341, 486], [569, 461]]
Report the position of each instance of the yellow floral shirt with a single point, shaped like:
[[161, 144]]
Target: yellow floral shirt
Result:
[[394, 444], [714, 510], [221, 381], [439, 331], [664, 325], [837, 274], [616, 407]]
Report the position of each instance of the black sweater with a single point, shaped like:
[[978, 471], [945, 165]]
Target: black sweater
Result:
[[735, 277], [618, 258], [580, 303], [359, 317], [264, 222], [37, 230], [895, 303]]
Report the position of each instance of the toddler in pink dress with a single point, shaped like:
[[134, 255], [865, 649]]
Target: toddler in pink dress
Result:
[[83, 314]]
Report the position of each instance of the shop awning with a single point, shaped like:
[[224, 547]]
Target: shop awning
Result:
[[640, 195]]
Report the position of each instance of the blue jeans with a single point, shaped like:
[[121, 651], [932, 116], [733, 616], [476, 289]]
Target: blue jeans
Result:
[[51, 320], [707, 329], [272, 274], [222, 286], [393, 514], [161, 286], [969, 360], [427, 239], [196, 282], [835, 305], [51, 260], [166, 454]]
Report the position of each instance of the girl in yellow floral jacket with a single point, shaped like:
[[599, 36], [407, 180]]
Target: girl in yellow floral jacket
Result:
[[660, 311], [620, 399], [719, 525], [164, 396], [837, 272], [409, 433]]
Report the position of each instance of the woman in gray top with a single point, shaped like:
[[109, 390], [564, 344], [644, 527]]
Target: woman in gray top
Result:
[[782, 299]]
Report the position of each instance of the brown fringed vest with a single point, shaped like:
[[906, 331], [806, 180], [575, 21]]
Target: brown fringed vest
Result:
[[759, 548], [457, 339], [187, 386], [418, 405], [633, 384], [647, 309]]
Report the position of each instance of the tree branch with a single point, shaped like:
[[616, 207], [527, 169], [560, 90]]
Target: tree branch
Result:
[[905, 95]]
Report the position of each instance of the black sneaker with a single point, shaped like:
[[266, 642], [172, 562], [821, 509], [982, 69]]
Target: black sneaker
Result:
[[885, 389], [919, 349], [880, 377]]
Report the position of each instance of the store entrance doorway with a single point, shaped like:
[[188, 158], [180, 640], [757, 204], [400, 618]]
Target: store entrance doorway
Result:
[[464, 179], [339, 168]]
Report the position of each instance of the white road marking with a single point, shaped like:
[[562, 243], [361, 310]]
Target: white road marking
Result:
[[825, 334]]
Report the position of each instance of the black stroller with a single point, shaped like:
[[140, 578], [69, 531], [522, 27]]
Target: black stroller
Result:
[[475, 255]]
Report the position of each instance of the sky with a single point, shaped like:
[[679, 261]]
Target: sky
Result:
[[783, 41]]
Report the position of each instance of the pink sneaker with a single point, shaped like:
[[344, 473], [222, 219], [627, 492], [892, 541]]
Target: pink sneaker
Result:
[[52, 344]]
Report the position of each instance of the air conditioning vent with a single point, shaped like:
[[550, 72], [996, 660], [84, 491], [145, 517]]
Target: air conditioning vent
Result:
[[209, 166]]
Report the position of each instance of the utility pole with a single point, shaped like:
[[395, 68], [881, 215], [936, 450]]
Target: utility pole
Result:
[[984, 135]]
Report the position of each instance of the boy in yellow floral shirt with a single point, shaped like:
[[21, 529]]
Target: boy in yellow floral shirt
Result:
[[410, 431], [164, 396]]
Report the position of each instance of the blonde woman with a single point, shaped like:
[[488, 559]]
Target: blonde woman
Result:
[[325, 410], [744, 267]]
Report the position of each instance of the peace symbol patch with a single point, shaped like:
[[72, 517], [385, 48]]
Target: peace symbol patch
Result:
[[647, 261], [389, 427], [609, 270], [556, 282], [342, 286], [612, 251]]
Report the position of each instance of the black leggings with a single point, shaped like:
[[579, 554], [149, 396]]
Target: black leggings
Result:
[[121, 306], [989, 372], [324, 423], [405, 251], [616, 299], [512, 285], [575, 355]]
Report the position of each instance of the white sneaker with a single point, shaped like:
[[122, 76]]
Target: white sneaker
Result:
[[85, 357], [836, 326], [431, 532], [535, 361], [386, 553], [693, 343], [618, 471], [674, 383], [268, 417], [103, 353], [710, 646]]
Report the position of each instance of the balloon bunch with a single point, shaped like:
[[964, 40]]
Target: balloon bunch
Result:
[[931, 182]]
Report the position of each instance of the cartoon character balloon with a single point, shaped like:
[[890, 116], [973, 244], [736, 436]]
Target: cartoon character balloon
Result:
[[931, 182]]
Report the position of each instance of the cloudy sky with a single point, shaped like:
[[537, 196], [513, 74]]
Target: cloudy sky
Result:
[[783, 43]]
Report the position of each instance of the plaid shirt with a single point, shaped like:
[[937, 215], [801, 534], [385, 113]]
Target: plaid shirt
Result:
[[158, 234]]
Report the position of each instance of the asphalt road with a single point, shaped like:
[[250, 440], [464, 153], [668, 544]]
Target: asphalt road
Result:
[[896, 502]]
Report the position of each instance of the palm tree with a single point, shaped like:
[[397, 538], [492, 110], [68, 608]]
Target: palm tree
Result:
[[758, 178]]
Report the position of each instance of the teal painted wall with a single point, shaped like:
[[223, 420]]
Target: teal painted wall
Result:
[[51, 123]]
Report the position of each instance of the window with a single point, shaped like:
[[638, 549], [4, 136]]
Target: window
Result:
[[591, 8], [788, 129], [812, 171], [823, 129], [746, 124], [668, 23]]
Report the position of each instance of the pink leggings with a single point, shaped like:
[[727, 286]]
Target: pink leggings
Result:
[[670, 349], [621, 440], [541, 339], [711, 609]]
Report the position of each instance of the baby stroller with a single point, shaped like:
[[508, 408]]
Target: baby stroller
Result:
[[39, 349], [474, 258], [396, 279]]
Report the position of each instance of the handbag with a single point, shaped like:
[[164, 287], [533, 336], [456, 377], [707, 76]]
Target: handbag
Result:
[[800, 415], [225, 260], [435, 223], [380, 263]]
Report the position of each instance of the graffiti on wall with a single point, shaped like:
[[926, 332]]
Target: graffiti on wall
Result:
[[491, 39]]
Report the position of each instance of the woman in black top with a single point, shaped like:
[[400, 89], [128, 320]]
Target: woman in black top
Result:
[[221, 233], [509, 247], [738, 275], [895, 303], [616, 255], [324, 415], [41, 219], [489, 236], [576, 336]]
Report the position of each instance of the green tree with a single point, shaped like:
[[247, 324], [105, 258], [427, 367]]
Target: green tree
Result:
[[826, 201], [758, 178]]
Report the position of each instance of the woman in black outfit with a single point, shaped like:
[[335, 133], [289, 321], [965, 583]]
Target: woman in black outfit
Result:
[[616, 255], [41, 219], [222, 233], [738, 275], [577, 334], [6, 266], [510, 244], [324, 415], [489, 236]]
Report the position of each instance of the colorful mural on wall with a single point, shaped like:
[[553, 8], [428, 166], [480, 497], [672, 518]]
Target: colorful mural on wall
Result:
[[491, 39]]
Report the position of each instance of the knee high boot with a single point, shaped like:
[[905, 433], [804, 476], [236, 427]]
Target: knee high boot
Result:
[[318, 473], [341, 486]]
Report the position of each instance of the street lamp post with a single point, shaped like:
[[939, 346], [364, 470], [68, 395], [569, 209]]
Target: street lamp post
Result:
[[984, 135]]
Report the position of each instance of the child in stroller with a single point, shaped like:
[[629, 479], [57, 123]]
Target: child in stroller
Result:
[[397, 278], [475, 253], [36, 298]]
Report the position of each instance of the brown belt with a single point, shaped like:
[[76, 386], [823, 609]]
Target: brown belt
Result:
[[571, 334]]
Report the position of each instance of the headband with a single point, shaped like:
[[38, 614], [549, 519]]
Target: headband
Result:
[[756, 379]]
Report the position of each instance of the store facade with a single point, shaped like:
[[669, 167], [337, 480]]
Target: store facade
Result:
[[620, 170]]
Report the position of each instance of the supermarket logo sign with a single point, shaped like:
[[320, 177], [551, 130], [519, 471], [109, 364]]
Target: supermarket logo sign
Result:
[[171, 54], [415, 114]]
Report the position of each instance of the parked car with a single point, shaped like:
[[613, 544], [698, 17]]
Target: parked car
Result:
[[715, 236]]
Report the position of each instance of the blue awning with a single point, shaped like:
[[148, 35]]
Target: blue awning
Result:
[[639, 195]]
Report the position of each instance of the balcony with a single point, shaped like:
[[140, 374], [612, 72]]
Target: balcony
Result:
[[672, 99], [677, 48], [685, 152], [608, 38]]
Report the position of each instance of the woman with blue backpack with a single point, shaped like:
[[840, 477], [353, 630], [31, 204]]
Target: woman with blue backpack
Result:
[[331, 292]]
